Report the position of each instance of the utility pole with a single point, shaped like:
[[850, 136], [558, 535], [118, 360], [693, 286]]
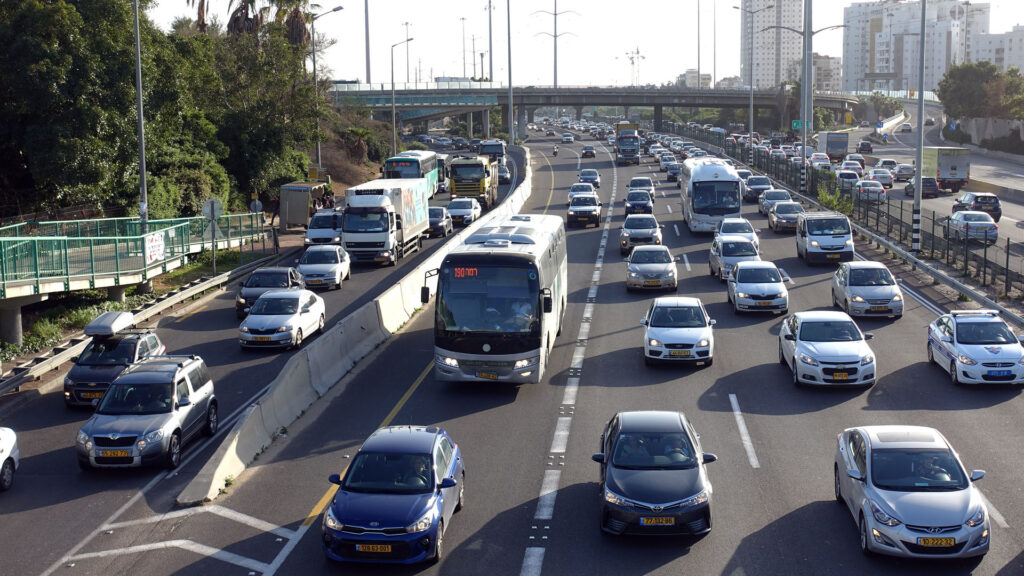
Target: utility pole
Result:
[[366, 13], [463, 46], [406, 24], [473, 39], [555, 34], [635, 57], [490, 41], [915, 233]]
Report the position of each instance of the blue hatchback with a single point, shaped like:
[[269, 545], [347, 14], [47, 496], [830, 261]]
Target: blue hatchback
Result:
[[396, 498]]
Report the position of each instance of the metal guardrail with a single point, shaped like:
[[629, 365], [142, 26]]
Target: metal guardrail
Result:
[[31, 370]]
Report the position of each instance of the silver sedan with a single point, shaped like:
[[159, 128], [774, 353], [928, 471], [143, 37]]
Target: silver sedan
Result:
[[325, 266], [866, 288], [282, 319], [651, 266]]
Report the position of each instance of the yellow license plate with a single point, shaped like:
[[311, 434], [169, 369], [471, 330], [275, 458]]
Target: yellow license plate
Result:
[[764, 303], [262, 338], [381, 259], [487, 375], [660, 521], [312, 282], [92, 394], [581, 219], [385, 548], [936, 541], [112, 453], [652, 283], [679, 353], [879, 308], [833, 256], [840, 376]]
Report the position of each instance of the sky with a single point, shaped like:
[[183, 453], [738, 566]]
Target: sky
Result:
[[597, 44]]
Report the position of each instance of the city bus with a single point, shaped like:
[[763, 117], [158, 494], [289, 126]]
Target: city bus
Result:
[[414, 164], [712, 192], [501, 298]]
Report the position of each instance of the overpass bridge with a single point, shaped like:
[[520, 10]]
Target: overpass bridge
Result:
[[438, 99]]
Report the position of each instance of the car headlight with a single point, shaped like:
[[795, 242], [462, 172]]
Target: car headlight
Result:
[[897, 298], [882, 516], [742, 295], [244, 329], [703, 342], [336, 239], [284, 328], [331, 522], [1021, 361], [447, 361], [966, 360], [653, 343], [613, 498], [808, 360], [857, 298], [306, 240], [867, 360], [670, 274], [148, 439], [695, 500], [82, 437], [422, 524], [239, 299], [815, 243], [977, 519], [634, 274], [849, 242]]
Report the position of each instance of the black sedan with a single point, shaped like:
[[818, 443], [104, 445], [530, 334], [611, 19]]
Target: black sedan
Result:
[[440, 222], [589, 152], [653, 479]]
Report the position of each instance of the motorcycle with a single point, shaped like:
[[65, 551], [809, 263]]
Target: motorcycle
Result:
[[555, 152]]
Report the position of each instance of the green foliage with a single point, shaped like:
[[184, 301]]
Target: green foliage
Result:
[[416, 146], [955, 135], [833, 200], [884, 105], [964, 90]]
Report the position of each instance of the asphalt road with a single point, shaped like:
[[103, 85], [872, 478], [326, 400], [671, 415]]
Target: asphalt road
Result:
[[773, 506]]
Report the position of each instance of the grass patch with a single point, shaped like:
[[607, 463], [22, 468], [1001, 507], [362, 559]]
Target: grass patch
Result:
[[200, 265]]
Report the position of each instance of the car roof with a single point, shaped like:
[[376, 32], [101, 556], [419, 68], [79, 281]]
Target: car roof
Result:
[[677, 301], [864, 264], [903, 436], [639, 216], [402, 439], [976, 316], [984, 194], [651, 248], [273, 269], [735, 221], [822, 315], [651, 421], [734, 238], [972, 212], [330, 248], [144, 369], [756, 264], [588, 170], [282, 293]]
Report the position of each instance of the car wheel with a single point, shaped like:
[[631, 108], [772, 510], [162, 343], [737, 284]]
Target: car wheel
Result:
[[709, 361], [796, 374], [953, 374], [298, 338], [462, 493], [320, 325], [711, 271], [838, 491], [438, 544], [173, 457], [931, 355], [864, 549], [782, 357], [7, 475], [211, 420]]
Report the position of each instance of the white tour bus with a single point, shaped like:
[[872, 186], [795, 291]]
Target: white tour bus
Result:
[[712, 192], [501, 297]]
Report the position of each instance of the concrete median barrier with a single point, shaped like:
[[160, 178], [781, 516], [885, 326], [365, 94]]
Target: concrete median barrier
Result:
[[330, 355]]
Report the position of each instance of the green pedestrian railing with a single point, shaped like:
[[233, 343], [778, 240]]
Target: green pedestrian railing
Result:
[[76, 254]]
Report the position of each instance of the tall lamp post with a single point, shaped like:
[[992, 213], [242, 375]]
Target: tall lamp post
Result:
[[366, 23], [463, 46], [406, 24], [143, 200], [555, 35], [750, 75], [394, 116], [316, 86], [915, 233], [511, 124]]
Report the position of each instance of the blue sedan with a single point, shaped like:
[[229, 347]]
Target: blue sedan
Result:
[[396, 498]]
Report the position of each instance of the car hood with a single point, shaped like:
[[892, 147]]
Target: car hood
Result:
[[761, 287], [639, 202], [125, 424], [876, 292], [732, 260], [318, 269], [758, 187], [836, 351], [679, 335], [252, 293], [267, 321], [436, 221], [640, 231], [584, 208], [993, 352], [388, 510], [786, 217], [654, 486], [652, 268], [460, 211], [931, 508], [100, 374]]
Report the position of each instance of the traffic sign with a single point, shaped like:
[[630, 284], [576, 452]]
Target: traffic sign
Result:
[[256, 206], [798, 124], [879, 125], [212, 209]]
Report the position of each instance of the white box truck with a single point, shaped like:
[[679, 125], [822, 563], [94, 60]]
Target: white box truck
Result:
[[385, 219], [950, 166], [836, 144]]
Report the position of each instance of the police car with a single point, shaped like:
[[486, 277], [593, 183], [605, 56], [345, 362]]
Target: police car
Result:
[[976, 347]]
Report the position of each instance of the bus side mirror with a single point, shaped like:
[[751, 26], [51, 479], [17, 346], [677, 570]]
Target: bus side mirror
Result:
[[425, 294], [381, 169], [546, 301]]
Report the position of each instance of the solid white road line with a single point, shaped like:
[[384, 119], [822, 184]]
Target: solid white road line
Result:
[[201, 549], [561, 438], [548, 491], [669, 208], [533, 559], [676, 228], [686, 261], [748, 445], [994, 513]]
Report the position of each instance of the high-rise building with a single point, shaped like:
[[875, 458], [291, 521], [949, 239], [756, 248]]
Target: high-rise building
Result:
[[881, 41], [688, 79], [775, 48], [1004, 50], [828, 73], [730, 82]]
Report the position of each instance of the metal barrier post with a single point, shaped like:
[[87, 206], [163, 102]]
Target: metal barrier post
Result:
[[967, 257], [1007, 267], [946, 234], [933, 235], [901, 218], [984, 266]]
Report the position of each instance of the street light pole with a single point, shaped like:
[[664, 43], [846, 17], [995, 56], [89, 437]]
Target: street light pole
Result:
[[406, 24], [366, 18], [143, 197], [511, 125], [316, 85], [750, 75], [394, 115], [915, 233], [463, 46], [698, 46]]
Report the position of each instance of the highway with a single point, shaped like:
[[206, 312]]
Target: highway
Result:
[[532, 498]]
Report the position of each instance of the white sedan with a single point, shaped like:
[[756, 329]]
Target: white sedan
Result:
[[826, 348], [8, 458], [464, 211], [678, 329], [324, 266], [282, 319]]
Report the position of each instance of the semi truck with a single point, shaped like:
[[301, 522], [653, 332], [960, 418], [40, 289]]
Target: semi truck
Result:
[[836, 144], [627, 143], [949, 165], [474, 177], [385, 219]]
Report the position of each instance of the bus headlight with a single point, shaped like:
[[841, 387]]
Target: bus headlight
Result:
[[451, 362], [525, 363]]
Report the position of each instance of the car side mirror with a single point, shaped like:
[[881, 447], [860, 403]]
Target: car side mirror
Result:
[[334, 479], [855, 474], [712, 322], [868, 336], [182, 402], [425, 294], [599, 458], [1020, 339], [709, 458], [305, 309], [74, 359], [789, 337], [246, 310], [977, 475], [548, 304], [947, 339], [643, 321], [447, 483], [296, 260]]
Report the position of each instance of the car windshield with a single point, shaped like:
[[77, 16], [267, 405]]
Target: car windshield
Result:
[[828, 226], [460, 205], [365, 220], [588, 174], [581, 188], [735, 228], [584, 201], [320, 257], [653, 451], [849, 175], [642, 223], [776, 195], [787, 208], [678, 317], [108, 352], [266, 306], [758, 181], [910, 470], [738, 249], [650, 257], [267, 280], [638, 197], [588, 148], [871, 184], [389, 473], [467, 171], [871, 277], [437, 212], [137, 398], [829, 331], [758, 276], [321, 221], [977, 218], [641, 183], [978, 333]]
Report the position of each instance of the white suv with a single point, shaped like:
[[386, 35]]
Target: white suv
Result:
[[976, 347]]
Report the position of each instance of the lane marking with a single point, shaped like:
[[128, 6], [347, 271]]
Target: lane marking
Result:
[[994, 513], [201, 549], [572, 386], [561, 438], [195, 311], [546, 499], [669, 208], [786, 276], [584, 332], [592, 292], [551, 191], [676, 228], [577, 358], [686, 261], [748, 445], [533, 559], [588, 310]]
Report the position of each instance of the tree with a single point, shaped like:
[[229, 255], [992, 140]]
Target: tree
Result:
[[962, 89]]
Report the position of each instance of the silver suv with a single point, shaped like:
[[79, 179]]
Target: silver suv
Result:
[[149, 412]]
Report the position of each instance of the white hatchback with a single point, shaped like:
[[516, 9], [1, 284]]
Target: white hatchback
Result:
[[678, 329], [826, 348]]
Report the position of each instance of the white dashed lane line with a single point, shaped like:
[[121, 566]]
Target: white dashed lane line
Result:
[[686, 262], [748, 445], [676, 228]]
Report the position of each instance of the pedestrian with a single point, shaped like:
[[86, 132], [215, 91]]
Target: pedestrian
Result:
[[276, 210]]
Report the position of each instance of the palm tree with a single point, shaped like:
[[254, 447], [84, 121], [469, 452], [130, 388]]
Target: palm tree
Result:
[[201, 9], [246, 18], [355, 144]]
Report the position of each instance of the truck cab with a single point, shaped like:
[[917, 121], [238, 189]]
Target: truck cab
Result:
[[384, 219]]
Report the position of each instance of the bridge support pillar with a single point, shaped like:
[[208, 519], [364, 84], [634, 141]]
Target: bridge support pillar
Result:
[[116, 293], [469, 125], [10, 317], [579, 112], [486, 121], [530, 113], [520, 123], [625, 112], [659, 117]]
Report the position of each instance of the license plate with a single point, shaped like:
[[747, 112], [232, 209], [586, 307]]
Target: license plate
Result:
[[581, 219], [879, 308], [832, 256], [679, 353], [430, 229], [936, 541], [999, 373], [112, 453], [262, 338], [487, 375], [840, 376], [381, 259], [314, 282], [764, 303], [384, 548], [652, 283], [659, 521], [92, 395]]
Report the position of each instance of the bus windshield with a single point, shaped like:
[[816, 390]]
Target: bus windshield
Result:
[[402, 169], [716, 198], [488, 298], [365, 220]]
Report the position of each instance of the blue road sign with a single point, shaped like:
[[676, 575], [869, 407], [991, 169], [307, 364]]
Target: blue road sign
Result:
[[879, 125]]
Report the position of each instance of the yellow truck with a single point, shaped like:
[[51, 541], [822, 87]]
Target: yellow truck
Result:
[[474, 177]]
